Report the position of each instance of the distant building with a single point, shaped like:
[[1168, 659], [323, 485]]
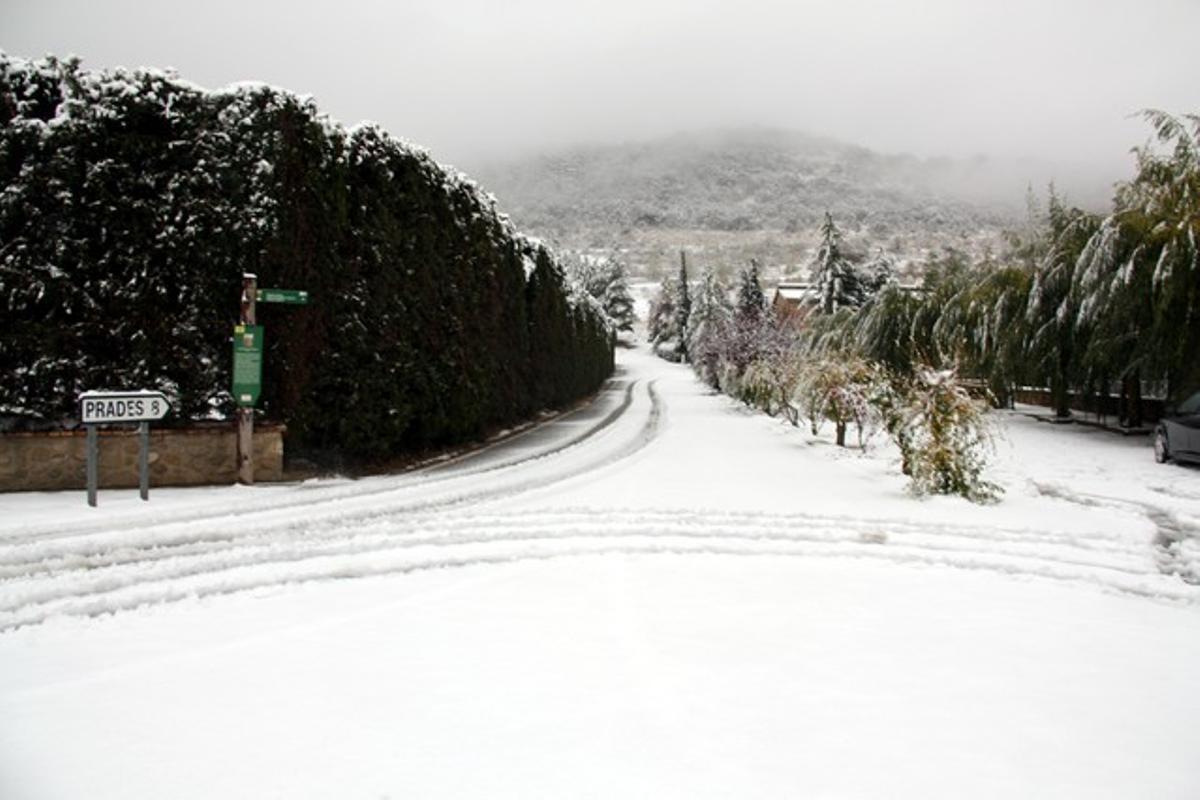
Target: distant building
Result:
[[793, 302]]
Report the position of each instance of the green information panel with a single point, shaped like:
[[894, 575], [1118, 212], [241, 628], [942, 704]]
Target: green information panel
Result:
[[293, 296], [247, 364]]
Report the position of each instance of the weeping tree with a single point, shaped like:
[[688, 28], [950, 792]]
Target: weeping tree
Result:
[[947, 278], [1055, 338], [981, 326], [1139, 272], [883, 330]]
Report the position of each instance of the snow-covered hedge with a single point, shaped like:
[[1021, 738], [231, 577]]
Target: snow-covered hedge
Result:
[[133, 202]]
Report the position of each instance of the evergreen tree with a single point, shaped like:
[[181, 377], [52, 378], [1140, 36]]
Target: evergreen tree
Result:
[[750, 299], [663, 325], [834, 276], [707, 328], [683, 306], [879, 273]]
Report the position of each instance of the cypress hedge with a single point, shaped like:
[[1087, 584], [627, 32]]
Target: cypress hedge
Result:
[[133, 202]]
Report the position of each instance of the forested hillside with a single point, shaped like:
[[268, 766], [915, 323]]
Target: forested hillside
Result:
[[750, 193], [134, 201], [739, 180]]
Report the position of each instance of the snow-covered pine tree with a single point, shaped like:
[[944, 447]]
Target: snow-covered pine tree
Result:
[[707, 329], [834, 276], [878, 273], [662, 326], [683, 306], [750, 299]]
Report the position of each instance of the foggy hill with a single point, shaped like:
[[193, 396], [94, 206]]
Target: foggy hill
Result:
[[745, 180]]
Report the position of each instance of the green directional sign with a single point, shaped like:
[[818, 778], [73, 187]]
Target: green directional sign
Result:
[[293, 296], [247, 364]]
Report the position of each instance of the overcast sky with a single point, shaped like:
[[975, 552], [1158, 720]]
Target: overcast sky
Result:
[[475, 79]]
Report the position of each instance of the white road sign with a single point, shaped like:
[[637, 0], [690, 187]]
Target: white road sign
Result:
[[122, 406]]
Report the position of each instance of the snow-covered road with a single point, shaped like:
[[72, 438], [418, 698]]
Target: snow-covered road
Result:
[[659, 594]]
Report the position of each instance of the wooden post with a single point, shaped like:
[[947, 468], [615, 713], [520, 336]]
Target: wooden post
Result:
[[245, 435]]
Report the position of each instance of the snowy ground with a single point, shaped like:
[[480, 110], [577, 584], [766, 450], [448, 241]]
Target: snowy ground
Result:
[[661, 595]]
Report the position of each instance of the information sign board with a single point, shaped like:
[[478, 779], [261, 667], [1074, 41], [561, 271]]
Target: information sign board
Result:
[[247, 364]]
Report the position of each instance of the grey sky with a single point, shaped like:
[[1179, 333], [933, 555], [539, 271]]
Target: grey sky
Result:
[[469, 79]]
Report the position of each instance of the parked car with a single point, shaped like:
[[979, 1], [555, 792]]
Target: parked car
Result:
[[1178, 434]]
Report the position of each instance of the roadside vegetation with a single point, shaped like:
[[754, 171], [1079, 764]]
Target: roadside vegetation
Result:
[[1077, 302]]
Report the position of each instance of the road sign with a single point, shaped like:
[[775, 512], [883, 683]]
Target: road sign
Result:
[[247, 364], [140, 407], [96, 407], [293, 296]]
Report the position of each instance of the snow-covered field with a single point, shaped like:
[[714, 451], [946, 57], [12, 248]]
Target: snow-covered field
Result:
[[661, 595]]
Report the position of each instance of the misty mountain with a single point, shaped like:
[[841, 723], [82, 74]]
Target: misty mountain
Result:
[[746, 180]]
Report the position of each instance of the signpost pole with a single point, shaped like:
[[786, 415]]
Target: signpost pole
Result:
[[93, 467], [144, 459], [245, 435]]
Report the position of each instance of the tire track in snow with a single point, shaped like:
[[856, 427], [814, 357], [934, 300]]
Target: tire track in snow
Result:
[[101, 571], [464, 540], [437, 473], [495, 545], [1176, 541], [1095, 547], [120, 574], [96, 550]]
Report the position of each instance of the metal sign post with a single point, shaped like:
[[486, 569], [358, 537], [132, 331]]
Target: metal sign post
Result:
[[144, 460], [93, 464], [139, 407]]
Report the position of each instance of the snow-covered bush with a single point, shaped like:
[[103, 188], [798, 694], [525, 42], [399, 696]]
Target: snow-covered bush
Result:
[[808, 393], [944, 436], [770, 384], [839, 388]]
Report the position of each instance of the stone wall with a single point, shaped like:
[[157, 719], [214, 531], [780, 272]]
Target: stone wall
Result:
[[202, 455]]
